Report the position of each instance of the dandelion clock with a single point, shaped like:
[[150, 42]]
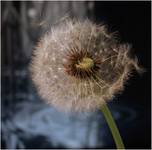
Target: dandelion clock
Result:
[[80, 66]]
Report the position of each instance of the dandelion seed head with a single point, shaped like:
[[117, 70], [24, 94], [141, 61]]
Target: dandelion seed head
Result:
[[79, 66]]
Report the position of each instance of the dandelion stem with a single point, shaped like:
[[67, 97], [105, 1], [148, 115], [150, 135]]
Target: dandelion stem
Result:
[[113, 127]]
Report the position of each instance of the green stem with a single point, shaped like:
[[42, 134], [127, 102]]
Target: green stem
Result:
[[112, 125]]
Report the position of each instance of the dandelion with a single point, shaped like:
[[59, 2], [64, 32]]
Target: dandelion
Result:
[[80, 66]]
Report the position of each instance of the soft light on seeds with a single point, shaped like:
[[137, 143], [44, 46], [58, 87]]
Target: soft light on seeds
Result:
[[79, 66]]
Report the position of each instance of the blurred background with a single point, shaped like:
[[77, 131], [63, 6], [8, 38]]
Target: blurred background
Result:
[[27, 122]]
